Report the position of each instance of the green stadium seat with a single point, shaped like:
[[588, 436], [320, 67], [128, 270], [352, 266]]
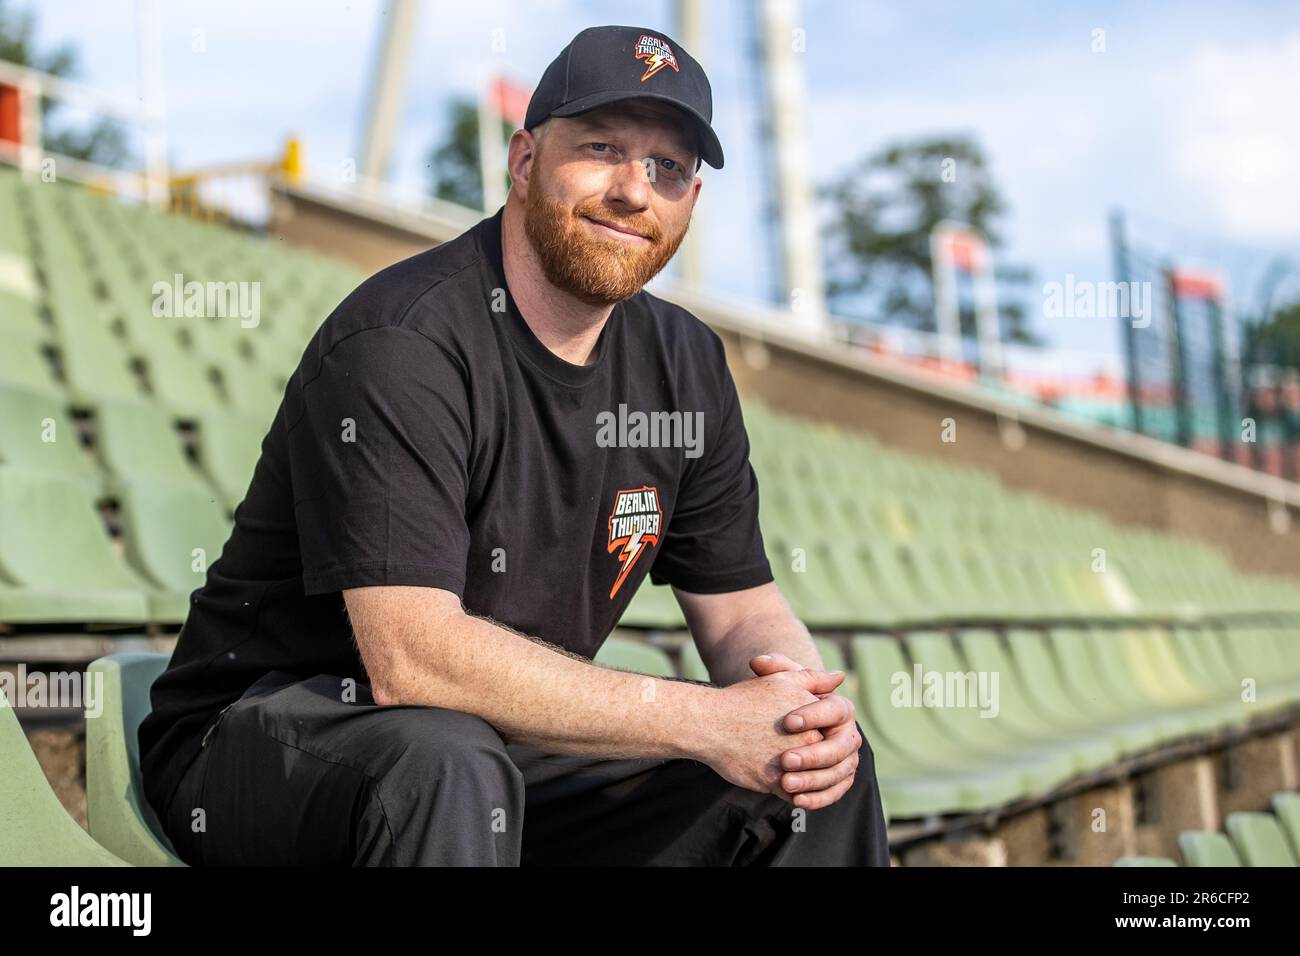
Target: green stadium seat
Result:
[[1202, 848], [1259, 839], [173, 532], [251, 389], [1158, 675], [35, 830], [97, 365], [983, 651], [928, 772], [1066, 699], [71, 577], [1099, 684], [1214, 650], [140, 440], [24, 364], [626, 654], [1286, 807], [817, 591], [20, 316], [1257, 657], [121, 819], [36, 432], [653, 607], [230, 444], [221, 341], [1204, 662], [179, 380], [977, 728]]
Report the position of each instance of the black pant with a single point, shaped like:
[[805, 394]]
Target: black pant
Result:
[[313, 772]]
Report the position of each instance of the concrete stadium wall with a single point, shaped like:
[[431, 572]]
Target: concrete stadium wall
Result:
[[1131, 479]]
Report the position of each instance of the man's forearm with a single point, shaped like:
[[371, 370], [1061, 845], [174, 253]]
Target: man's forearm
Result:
[[774, 630], [532, 692]]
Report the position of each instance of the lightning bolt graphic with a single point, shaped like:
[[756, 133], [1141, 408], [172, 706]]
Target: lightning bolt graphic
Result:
[[654, 62], [631, 551]]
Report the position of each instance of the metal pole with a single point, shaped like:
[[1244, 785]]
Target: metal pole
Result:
[[491, 150], [692, 32], [1178, 362], [388, 88], [800, 241], [151, 91], [1223, 406], [769, 213], [947, 318], [1119, 247], [988, 331]]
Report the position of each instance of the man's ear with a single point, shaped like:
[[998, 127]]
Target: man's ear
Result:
[[519, 160]]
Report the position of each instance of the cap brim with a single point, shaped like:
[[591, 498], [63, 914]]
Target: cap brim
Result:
[[710, 148]]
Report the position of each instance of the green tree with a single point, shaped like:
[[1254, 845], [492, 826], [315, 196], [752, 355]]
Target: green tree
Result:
[[103, 141], [888, 205], [454, 164], [1276, 340]]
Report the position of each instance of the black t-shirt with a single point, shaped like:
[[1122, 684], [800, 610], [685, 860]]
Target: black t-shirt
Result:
[[429, 438]]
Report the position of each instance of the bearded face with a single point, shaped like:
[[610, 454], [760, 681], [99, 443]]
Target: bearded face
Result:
[[587, 260]]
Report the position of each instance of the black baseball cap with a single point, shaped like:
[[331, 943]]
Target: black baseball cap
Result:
[[604, 65]]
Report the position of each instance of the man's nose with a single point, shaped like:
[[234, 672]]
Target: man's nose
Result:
[[631, 185]]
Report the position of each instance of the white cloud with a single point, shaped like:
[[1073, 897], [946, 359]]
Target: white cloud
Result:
[[1237, 144]]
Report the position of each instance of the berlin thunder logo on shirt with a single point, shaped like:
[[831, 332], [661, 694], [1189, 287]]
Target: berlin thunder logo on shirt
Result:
[[633, 527], [656, 53]]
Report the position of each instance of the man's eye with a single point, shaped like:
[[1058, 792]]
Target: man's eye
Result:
[[599, 147], [671, 164]]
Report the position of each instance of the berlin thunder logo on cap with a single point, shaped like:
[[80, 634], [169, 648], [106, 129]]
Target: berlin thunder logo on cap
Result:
[[656, 53]]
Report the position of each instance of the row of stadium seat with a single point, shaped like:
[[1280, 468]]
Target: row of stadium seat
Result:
[[1253, 839], [78, 278], [909, 566], [125, 441], [861, 535], [926, 556], [1066, 703], [171, 532]]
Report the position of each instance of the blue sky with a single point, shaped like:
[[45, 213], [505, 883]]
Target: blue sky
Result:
[[1187, 120]]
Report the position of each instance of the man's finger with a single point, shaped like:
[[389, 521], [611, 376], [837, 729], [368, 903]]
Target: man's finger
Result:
[[827, 712], [808, 781], [837, 744], [823, 798], [772, 663], [815, 682]]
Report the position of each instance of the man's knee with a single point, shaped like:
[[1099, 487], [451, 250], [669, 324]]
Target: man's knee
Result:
[[436, 744]]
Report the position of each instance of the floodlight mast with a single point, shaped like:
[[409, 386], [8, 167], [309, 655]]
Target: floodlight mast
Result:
[[387, 90]]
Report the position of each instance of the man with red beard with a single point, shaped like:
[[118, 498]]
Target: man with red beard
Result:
[[390, 663]]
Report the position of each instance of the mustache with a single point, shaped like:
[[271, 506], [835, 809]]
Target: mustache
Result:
[[642, 227]]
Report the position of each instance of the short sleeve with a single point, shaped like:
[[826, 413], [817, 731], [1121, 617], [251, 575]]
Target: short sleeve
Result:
[[379, 463], [713, 542]]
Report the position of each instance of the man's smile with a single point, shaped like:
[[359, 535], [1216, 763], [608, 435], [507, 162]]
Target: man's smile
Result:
[[621, 233]]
